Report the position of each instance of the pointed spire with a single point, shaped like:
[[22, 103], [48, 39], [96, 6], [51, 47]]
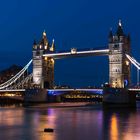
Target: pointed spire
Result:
[[110, 36], [44, 33], [120, 23], [53, 42], [34, 43], [52, 46], [119, 30], [110, 33], [44, 41]]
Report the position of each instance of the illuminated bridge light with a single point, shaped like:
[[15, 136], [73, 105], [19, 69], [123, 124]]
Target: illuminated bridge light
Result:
[[62, 91], [11, 90], [134, 89]]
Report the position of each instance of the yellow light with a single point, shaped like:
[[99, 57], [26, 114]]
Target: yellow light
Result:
[[52, 60], [44, 33], [127, 63], [45, 47], [51, 49], [113, 84], [46, 58]]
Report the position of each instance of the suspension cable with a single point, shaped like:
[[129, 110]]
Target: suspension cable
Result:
[[16, 77]]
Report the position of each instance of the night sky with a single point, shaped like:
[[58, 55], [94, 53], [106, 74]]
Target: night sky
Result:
[[72, 23]]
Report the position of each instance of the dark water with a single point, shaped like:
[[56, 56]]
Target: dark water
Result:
[[79, 123]]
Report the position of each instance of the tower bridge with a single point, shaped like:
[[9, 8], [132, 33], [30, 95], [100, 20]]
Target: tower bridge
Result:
[[118, 51], [44, 57]]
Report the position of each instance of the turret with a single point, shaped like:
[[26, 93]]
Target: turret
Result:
[[120, 29], [52, 48], [44, 44], [34, 45], [110, 36]]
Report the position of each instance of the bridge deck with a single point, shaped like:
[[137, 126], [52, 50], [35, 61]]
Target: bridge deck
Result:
[[12, 90], [77, 54]]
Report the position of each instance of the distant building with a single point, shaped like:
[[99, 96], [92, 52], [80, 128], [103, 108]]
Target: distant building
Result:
[[43, 67], [8, 73]]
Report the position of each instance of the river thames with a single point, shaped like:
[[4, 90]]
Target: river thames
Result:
[[69, 123]]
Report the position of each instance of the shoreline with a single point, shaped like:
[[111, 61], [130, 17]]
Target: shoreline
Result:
[[63, 104]]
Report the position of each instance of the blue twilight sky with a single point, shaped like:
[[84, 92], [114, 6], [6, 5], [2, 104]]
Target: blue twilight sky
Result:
[[72, 23]]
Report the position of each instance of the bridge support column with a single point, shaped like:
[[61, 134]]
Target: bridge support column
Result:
[[118, 97], [119, 65]]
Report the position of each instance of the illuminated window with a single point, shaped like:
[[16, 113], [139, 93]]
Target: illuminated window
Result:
[[46, 58], [45, 47]]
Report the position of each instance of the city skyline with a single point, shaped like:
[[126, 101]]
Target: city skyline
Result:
[[72, 24]]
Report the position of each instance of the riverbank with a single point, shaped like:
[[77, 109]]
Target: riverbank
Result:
[[63, 104]]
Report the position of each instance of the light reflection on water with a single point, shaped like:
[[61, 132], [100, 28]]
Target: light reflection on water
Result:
[[114, 127], [71, 123]]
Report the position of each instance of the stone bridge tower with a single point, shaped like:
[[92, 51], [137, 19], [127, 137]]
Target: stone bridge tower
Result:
[[43, 67], [119, 65]]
